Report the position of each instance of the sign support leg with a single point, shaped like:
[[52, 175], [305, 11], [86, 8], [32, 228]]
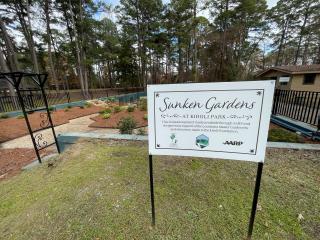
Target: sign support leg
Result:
[[255, 199], [151, 191]]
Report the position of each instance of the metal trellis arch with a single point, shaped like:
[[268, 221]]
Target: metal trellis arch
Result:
[[28, 82]]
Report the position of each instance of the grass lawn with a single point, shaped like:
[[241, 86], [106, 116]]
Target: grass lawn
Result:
[[283, 135], [100, 190]]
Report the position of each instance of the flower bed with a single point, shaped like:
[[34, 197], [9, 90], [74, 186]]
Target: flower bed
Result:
[[12, 128], [112, 122]]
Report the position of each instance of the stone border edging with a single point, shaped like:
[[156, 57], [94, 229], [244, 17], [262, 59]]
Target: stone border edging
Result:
[[285, 145]]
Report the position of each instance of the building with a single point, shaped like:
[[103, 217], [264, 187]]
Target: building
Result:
[[299, 78]]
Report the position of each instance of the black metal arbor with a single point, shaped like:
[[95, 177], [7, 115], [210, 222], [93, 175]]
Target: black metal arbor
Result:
[[24, 83]]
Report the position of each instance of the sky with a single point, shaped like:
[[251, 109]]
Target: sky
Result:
[[271, 3]]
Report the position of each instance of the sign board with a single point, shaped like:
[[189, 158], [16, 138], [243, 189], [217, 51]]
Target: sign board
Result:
[[228, 120]]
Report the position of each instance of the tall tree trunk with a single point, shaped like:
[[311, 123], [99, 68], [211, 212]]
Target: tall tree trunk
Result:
[[3, 64], [317, 59], [305, 19], [306, 51], [194, 35], [12, 56], [283, 35], [4, 68], [49, 41], [79, 64], [223, 48], [21, 12], [180, 61]]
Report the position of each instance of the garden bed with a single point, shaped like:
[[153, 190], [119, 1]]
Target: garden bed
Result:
[[12, 128], [12, 160], [114, 119]]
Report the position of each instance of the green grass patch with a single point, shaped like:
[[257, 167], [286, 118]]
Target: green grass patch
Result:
[[283, 135], [100, 190]]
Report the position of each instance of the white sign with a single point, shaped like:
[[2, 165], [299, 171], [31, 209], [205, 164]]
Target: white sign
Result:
[[215, 120]]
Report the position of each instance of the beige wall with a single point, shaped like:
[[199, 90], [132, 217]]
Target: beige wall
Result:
[[295, 83]]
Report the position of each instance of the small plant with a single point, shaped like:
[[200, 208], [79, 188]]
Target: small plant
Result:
[[107, 110], [145, 117], [141, 131], [81, 107], [106, 115], [4, 116], [130, 108], [123, 108], [143, 104], [117, 109], [112, 99], [20, 116], [51, 108], [69, 106], [87, 104], [66, 109], [126, 125]]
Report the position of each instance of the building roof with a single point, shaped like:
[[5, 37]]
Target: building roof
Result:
[[294, 69]]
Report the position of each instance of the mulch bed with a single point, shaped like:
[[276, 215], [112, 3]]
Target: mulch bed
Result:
[[12, 128], [12, 160], [113, 121]]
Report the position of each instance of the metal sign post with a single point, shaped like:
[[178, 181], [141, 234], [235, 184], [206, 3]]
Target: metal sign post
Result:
[[255, 199], [151, 191]]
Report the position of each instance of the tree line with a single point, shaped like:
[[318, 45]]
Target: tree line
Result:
[[91, 44]]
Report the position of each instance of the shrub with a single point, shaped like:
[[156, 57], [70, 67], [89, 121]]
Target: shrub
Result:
[[130, 108], [82, 107], [112, 99], [66, 109], [87, 104], [106, 115], [123, 108], [145, 117], [107, 110], [143, 106], [117, 109], [4, 116], [141, 131], [69, 106], [20, 116], [126, 125], [51, 108]]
